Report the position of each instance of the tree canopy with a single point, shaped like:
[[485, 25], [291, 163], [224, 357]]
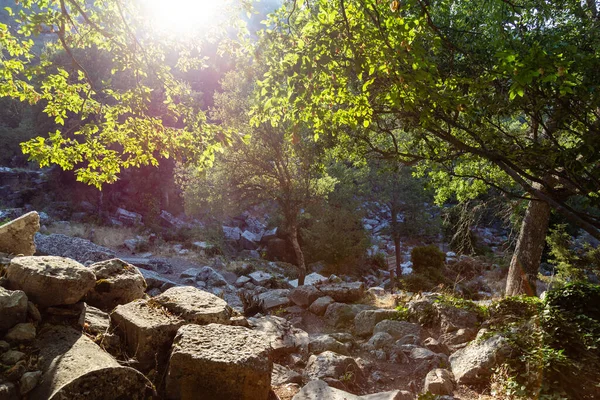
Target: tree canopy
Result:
[[500, 94]]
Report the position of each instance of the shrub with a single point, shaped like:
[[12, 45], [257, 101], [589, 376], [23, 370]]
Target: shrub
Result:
[[427, 257], [555, 344]]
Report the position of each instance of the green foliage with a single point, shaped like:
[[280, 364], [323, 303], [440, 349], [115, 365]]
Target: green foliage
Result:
[[427, 257], [458, 302], [466, 91], [403, 314], [555, 343], [571, 261], [425, 280]]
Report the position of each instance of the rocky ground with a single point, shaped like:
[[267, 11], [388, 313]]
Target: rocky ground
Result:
[[78, 321]]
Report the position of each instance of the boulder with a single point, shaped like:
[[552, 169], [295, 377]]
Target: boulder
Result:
[[232, 233], [260, 278], [147, 330], [380, 340], [283, 375], [128, 218], [71, 247], [13, 308], [75, 367], [310, 279], [365, 321], [50, 281], [219, 362], [23, 332], [249, 240], [12, 357], [435, 346], [474, 363], [211, 277], [305, 295], [194, 305], [155, 281], [170, 221], [117, 282], [16, 236], [398, 329], [284, 338], [8, 391], [457, 339], [319, 390], [339, 314], [319, 306], [344, 292], [94, 320], [321, 343], [454, 318], [190, 273], [439, 382], [275, 298], [335, 366], [28, 381]]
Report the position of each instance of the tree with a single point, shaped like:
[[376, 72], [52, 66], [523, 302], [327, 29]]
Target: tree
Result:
[[141, 110], [265, 164], [503, 95]]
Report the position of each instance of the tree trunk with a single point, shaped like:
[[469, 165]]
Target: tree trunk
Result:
[[396, 237], [398, 256], [299, 254], [525, 263]]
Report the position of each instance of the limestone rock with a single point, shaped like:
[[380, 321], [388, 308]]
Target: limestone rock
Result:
[[155, 281], [78, 249], [147, 330], [275, 298], [195, 305], [260, 278], [211, 277], [381, 340], [339, 314], [311, 279], [75, 367], [319, 390], [454, 318], [398, 329], [8, 391], [332, 365], [283, 337], [319, 306], [94, 320], [439, 381], [12, 357], [473, 364], [16, 236], [13, 308], [29, 381], [50, 281], [219, 362], [365, 321], [282, 375], [344, 292], [305, 295], [320, 343], [117, 282], [23, 332]]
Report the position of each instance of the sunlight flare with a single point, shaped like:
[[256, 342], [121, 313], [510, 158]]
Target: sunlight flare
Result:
[[184, 17]]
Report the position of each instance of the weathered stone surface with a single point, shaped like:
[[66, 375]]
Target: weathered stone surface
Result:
[[260, 278], [436, 346], [319, 390], [50, 281], [365, 321], [8, 391], [454, 318], [23, 332], [339, 314], [381, 340], [13, 308], [129, 218], [94, 320], [33, 312], [75, 367], [305, 295], [332, 365], [219, 362], [311, 279], [320, 343], [147, 330], [439, 381], [75, 248], [398, 329], [344, 292], [28, 381], [12, 357], [473, 364], [284, 338], [319, 306], [282, 375], [155, 281], [195, 305], [458, 338], [275, 298], [211, 277], [190, 273], [117, 282], [16, 236]]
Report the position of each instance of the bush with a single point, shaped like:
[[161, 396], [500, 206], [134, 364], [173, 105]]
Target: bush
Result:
[[427, 257], [556, 344], [424, 280]]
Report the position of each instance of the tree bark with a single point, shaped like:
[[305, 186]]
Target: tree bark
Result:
[[396, 238], [299, 254], [525, 263]]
